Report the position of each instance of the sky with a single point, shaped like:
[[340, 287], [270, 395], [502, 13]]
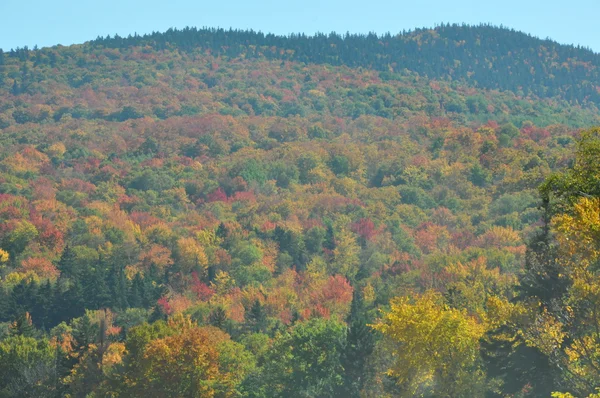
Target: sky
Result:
[[50, 22]]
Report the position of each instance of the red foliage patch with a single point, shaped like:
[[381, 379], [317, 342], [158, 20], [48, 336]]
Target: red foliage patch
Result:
[[202, 290], [217, 195], [164, 305], [365, 228]]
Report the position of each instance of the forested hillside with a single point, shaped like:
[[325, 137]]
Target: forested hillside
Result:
[[485, 56], [218, 214]]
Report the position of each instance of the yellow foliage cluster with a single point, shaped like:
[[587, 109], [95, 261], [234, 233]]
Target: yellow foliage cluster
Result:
[[28, 160], [191, 254], [438, 346], [3, 256], [570, 337]]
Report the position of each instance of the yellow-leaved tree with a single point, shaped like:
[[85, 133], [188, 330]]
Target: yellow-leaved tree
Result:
[[436, 347], [566, 329], [4, 256], [570, 335], [190, 255], [178, 358], [346, 259]]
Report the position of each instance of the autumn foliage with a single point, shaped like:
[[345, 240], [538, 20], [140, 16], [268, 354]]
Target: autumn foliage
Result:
[[181, 219]]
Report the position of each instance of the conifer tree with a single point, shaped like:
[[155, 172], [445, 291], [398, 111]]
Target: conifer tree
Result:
[[359, 346], [22, 326], [16, 88], [43, 309], [67, 265], [256, 318], [117, 292]]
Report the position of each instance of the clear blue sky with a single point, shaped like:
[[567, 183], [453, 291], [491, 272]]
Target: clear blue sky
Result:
[[49, 22]]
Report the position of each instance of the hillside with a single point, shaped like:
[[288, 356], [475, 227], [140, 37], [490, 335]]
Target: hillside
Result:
[[484, 56], [257, 201]]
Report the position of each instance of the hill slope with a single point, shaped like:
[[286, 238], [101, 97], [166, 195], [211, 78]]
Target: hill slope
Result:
[[219, 195], [485, 56]]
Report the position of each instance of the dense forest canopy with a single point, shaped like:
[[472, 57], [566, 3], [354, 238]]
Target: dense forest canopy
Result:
[[486, 56], [215, 213]]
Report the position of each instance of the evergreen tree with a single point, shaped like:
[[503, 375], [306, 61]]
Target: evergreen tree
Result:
[[541, 278], [329, 243], [4, 305], [117, 297], [218, 318], [71, 302], [43, 308], [95, 289], [517, 366], [67, 265], [222, 231], [211, 273], [359, 346], [137, 293], [16, 88], [53, 59], [155, 282], [85, 332], [256, 318], [22, 298], [22, 326]]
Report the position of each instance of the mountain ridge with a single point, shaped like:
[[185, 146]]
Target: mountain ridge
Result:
[[572, 73], [484, 56]]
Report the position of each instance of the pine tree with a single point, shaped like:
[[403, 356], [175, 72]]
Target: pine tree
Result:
[[43, 306], [16, 88], [222, 231], [360, 345], [137, 293], [4, 305], [85, 333], [218, 318], [22, 326], [256, 318], [96, 293], [517, 366], [72, 302], [53, 59], [67, 265], [541, 278], [211, 273], [117, 297], [155, 282], [22, 298], [329, 243]]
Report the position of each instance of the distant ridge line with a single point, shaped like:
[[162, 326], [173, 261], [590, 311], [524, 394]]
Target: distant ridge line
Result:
[[484, 55]]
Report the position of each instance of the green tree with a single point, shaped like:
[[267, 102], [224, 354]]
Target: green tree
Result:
[[359, 346], [256, 317], [67, 265], [562, 190], [18, 239], [306, 361], [27, 368]]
